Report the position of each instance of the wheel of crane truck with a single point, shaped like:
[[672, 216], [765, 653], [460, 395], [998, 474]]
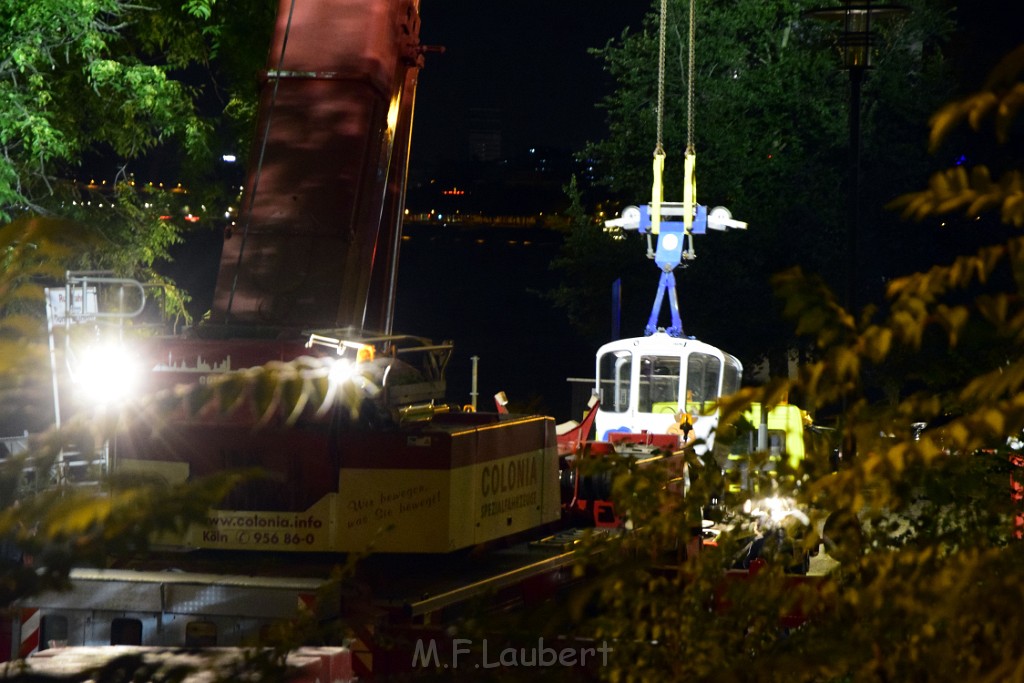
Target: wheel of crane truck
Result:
[[567, 480]]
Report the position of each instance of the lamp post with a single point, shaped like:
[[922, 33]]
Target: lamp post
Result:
[[856, 45]]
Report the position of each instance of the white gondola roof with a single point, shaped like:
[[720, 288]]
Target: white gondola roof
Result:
[[661, 343]]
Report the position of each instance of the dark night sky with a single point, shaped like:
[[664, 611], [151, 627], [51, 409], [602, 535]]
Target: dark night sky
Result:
[[527, 58]]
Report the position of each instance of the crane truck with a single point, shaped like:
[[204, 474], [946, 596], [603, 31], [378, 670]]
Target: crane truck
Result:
[[309, 268]]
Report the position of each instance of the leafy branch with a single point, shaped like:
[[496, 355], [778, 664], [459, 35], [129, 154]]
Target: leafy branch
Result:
[[975, 191]]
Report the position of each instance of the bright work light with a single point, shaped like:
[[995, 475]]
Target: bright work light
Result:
[[341, 370], [106, 374]]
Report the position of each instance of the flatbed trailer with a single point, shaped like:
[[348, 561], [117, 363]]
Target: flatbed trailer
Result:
[[304, 665], [209, 600]]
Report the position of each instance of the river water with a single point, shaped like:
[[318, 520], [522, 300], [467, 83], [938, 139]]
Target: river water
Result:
[[482, 288]]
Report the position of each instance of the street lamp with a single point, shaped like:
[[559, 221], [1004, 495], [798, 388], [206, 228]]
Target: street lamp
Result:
[[856, 46]]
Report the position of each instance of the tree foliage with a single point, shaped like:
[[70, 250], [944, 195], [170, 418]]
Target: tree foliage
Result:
[[920, 531], [975, 191], [95, 96], [32, 250], [67, 87], [590, 263]]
